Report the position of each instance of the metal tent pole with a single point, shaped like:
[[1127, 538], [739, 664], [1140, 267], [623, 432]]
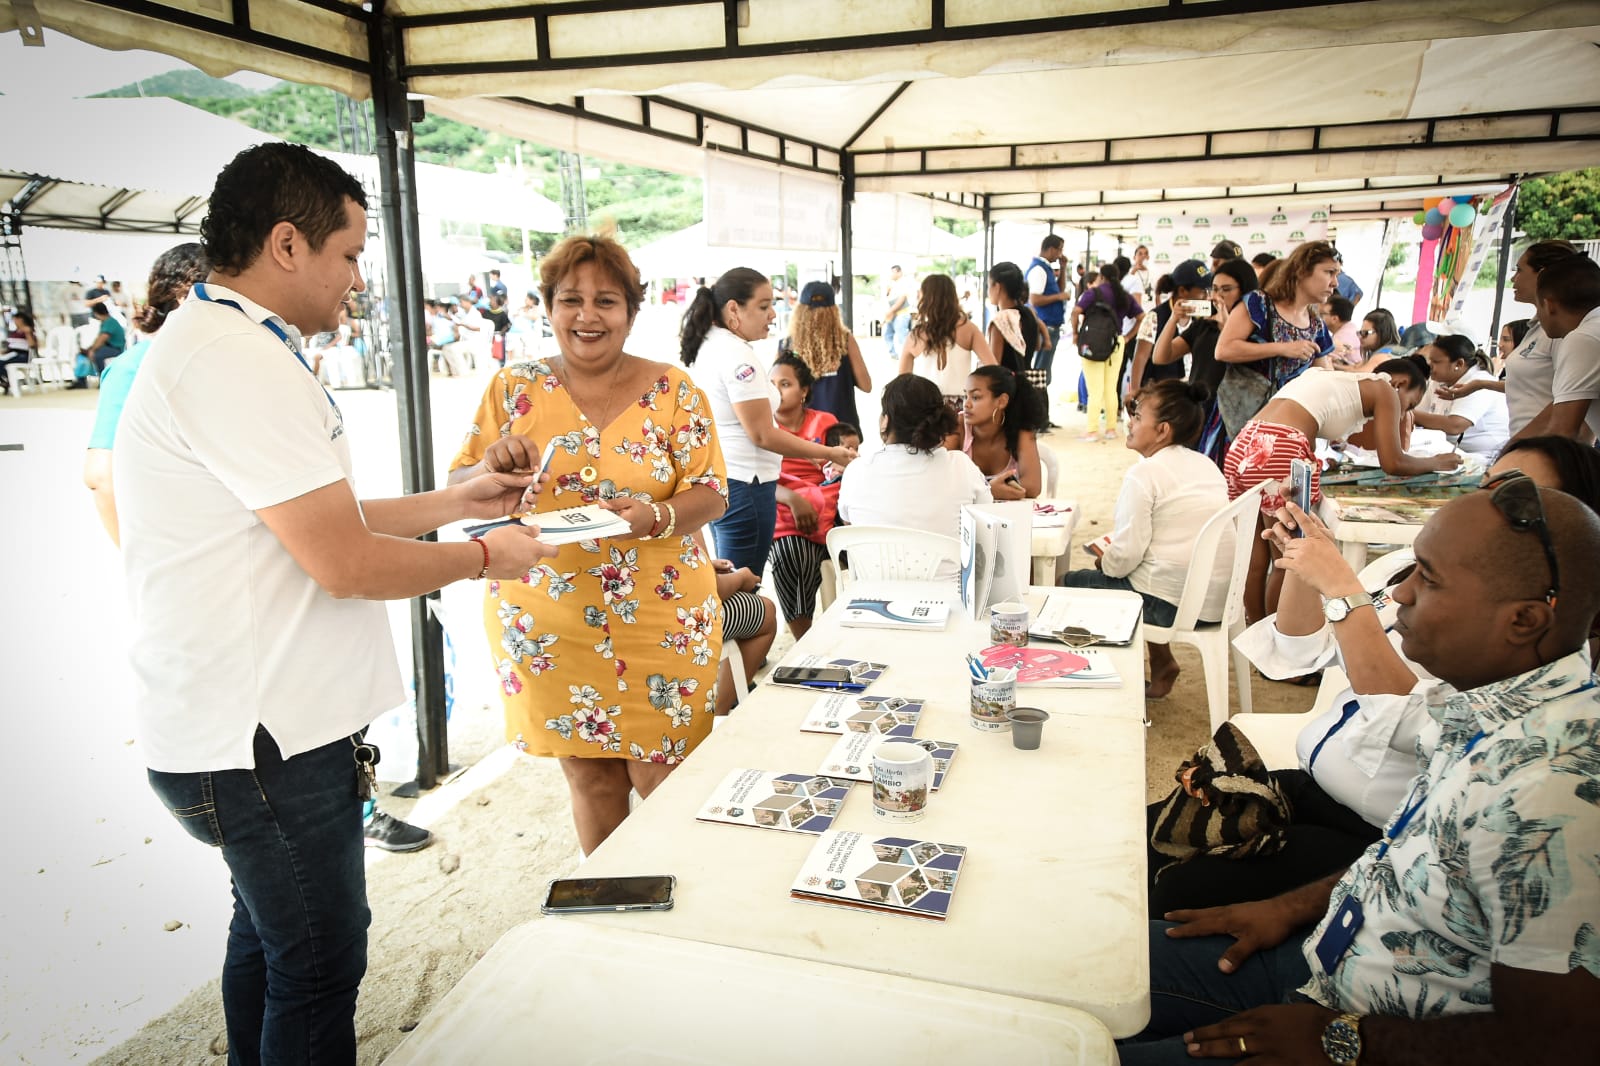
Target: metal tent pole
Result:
[[397, 177], [847, 289], [1508, 228]]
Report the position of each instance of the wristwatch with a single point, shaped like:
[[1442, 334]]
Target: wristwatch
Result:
[[1341, 1040], [1337, 610]]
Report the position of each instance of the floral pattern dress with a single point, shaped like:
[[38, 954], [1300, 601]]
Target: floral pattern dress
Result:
[[611, 649]]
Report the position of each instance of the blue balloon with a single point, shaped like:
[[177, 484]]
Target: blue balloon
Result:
[[1463, 215], [1433, 217]]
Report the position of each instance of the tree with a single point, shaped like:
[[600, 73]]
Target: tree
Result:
[[1561, 205]]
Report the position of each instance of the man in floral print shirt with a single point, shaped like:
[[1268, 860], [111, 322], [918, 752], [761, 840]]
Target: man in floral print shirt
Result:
[[1471, 933]]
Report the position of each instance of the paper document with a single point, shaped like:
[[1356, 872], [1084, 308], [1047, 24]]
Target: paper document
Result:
[[1112, 620]]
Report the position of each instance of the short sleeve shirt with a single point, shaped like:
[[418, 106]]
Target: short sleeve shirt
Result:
[[114, 386], [1577, 369], [1530, 377], [1500, 863], [116, 336], [729, 372], [1486, 410]]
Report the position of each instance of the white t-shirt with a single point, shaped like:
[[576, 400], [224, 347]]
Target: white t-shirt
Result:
[[918, 490], [1037, 278], [1577, 369], [1530, 377], [898, 288], [1164, 501], [228, 631], [1486, 410], [728, 371]]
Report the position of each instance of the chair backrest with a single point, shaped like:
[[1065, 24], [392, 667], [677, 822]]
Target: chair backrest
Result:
[[1379, 574], [1052, 470], [1239, 518], [890, 553], [61, 342]]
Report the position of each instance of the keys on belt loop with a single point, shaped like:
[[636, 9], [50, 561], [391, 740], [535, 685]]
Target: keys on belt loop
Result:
[[366, 756]]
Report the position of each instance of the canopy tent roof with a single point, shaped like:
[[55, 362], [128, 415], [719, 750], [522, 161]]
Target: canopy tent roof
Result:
[[148, 165], [1072, 110]]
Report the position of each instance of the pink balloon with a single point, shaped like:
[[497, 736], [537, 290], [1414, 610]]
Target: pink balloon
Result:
[[1432, 231], [1444, 206]]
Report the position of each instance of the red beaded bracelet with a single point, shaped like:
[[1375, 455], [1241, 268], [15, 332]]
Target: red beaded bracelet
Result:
[[485, 571]]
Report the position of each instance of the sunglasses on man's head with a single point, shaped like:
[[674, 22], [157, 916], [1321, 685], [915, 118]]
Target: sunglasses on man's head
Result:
[[1516, 496]]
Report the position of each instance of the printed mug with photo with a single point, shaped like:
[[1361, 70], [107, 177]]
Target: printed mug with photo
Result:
[[902, 777]]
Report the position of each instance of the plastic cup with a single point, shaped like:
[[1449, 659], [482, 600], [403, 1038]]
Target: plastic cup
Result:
[[992, 700], [1027, 725], [1008, 624]]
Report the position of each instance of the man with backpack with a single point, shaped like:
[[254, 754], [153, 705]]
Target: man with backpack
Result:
[[1099, 321]]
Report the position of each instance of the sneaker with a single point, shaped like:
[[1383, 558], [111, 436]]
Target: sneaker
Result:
[[391, 834]]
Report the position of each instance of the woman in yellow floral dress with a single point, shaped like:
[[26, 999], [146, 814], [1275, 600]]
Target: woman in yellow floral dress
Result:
[[607, 654]]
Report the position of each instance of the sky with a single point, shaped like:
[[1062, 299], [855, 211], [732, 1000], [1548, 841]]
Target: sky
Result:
[[66, 67]]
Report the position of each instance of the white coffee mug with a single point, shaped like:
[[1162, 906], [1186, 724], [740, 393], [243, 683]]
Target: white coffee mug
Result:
[[902, 777]]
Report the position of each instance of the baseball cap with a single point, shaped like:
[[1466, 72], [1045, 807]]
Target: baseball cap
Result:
[[1191, 274], [817, 294], [1226, 250]]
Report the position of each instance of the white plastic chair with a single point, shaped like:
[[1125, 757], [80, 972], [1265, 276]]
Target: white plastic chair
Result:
[[1215, 639], [1052, 470], [59, 355], [20, 374], [1274, 735], [730, 647], [888, 553]]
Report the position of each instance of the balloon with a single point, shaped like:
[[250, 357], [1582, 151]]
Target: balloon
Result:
[[1444, 205], [1420, 218], [1463, 215], [1429, 201], [1432, 231], [1432, 217]]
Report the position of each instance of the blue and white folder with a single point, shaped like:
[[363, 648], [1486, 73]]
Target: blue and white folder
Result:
[[895, 614]]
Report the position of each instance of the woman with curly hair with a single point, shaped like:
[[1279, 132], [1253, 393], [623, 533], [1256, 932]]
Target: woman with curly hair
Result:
[[819, 337], [944, 341]]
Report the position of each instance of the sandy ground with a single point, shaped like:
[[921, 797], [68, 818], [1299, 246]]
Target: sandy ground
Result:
[[114, 921]]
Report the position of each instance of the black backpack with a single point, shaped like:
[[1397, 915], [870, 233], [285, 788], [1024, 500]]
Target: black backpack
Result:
[[1098, 331]]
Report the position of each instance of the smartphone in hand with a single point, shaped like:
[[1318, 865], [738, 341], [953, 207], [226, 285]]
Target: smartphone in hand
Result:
[[1301, 472]]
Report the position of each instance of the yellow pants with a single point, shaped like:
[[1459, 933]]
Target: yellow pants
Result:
[[1101, 379]]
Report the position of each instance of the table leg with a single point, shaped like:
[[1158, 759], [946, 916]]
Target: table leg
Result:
[[1355, 553], [1044, 570]]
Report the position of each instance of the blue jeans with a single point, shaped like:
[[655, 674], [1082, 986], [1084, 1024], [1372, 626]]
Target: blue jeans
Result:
[[290, 832], [1045, 358], [744, 532], [894, 332], [1188, 991], [1157, 612]]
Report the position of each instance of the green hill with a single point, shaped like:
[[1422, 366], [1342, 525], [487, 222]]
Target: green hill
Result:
[[182, 83]]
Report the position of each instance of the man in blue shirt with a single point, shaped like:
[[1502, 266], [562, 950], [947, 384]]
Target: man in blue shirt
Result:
[[1044, 293], [108, 343]]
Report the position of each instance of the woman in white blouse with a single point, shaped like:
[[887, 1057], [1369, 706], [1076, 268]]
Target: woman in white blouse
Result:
[[914, 481], [718, 328], [1476, 422], [1166, 497]]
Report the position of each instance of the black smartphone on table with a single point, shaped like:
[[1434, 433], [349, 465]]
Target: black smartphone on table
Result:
[[800, 675], [577, 895]]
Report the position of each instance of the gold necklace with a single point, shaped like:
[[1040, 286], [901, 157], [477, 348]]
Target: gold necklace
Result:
[[610, 410]]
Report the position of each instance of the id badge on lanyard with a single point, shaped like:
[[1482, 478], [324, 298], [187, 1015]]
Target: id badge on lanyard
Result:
[[1347, 920]]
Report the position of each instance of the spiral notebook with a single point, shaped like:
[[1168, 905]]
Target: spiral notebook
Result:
[[895, 614]]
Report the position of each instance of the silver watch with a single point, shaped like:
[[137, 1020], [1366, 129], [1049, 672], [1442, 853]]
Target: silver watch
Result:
[[1337, 610]]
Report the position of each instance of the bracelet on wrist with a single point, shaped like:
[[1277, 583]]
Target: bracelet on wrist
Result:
[[672, 520], [655, 524], [485, 571]]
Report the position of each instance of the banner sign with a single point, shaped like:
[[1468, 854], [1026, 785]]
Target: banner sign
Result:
[[1177, 236]]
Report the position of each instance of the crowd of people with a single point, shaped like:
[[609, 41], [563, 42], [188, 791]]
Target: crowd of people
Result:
[[1456, 823]]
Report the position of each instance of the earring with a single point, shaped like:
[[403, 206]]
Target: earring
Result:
[[999, 417]]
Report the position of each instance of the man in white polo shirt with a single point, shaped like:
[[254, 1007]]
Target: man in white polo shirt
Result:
[[259, 647]]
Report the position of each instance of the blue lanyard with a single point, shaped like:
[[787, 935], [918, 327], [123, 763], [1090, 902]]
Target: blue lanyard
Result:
[[1414, 805], [1349, 711], [271, 327]]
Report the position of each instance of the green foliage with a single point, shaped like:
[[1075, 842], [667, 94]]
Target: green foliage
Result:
[[182, 84], [961, 227], [1561, 205]]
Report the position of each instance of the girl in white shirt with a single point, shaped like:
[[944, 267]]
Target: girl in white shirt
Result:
[[942, 345], [914, 481], [1476, 423], [717, 330], [1166, 497]]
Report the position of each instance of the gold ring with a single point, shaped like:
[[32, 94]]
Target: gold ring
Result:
[[1242, 1049]]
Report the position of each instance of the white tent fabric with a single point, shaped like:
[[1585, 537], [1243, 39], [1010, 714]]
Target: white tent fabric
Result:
[[1105, 107]]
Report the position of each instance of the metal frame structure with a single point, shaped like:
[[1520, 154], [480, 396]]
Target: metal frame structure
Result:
[[1065, 181]]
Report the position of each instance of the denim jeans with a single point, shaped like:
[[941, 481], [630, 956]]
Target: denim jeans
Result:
[[894, 333], [1157, 612], [1188, 991], [290, 832], [744, 532], [1045, 358]]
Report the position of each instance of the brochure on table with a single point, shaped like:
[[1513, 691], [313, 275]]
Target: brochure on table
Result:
[[566, 526], [845, 712], [851, 757], [791, 803], [897, 874], [1054, 667], [895, 614], [996, 559]]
